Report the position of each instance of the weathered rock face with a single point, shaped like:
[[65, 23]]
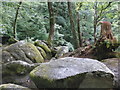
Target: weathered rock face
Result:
[[113, 65], [72, 72], [12, 87], [21, 51]]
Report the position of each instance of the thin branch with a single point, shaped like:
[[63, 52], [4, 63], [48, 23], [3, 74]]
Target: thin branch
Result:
[[103, 10]]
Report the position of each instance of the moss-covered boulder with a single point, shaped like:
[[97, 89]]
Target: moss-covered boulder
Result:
[[22, 51], [72, 72], [45, 48], [18, 72], [43, 53], [17, 68], [12, 87]]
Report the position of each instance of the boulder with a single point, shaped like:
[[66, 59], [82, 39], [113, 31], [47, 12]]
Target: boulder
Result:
[[43, 53], [18, 72], [44, 46], [113, 65], [17, 67], [22, 51], [12, 87], [72, 72], [23, 80]]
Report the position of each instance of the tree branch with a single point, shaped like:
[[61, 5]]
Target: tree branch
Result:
[[103, 10]]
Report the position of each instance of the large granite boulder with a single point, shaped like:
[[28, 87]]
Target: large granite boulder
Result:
[[72, 72], [12, 87], [113, 65], [22, 51]]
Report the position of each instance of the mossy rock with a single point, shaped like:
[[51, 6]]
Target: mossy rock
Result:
[[45, 48], [17, 68], [32, 53], [43, 53], [12, 87], [23, 51], [7, 57], [42, 45]]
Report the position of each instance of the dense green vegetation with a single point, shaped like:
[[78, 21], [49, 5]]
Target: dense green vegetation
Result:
[[33, 20]]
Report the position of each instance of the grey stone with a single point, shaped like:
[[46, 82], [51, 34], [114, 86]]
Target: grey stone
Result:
[[72, 72]]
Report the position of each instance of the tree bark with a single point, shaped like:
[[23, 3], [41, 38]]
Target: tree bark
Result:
[[79, 31], [95, 21], [15, 21], [52, 23], [75, 40]]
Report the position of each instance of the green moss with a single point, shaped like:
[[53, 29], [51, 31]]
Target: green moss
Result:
[[42, 45], [20, 70], [37, 55], [42, 52]]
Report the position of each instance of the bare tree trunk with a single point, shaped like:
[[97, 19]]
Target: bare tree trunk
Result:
[[15, 21], [95, 21], [52, 23], [79, 31], [75, 40]]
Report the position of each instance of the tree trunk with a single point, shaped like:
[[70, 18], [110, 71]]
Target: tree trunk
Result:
[[15, 21], [52, 23], [79, 31], [95, 21], [94, 31], [75, 40]]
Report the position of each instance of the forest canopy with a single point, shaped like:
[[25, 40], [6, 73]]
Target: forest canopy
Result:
[[33, 20]]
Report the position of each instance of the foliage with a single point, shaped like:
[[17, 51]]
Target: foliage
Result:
[[33, 20], [59, 38]]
